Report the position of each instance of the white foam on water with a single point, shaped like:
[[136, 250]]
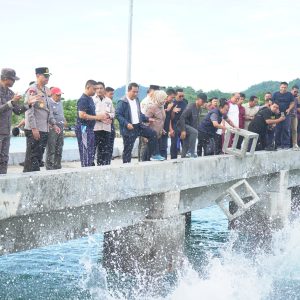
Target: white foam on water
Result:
[[236, 277], [228, 278], [232, 276]]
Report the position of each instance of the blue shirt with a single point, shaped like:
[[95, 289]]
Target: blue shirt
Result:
[[284, 100], [86, 104], [207, 126]]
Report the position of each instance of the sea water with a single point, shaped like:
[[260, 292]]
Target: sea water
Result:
[[18, 144], [212, 269]]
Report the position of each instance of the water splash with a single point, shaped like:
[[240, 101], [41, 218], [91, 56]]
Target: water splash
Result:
[[274, 275], [54, 273]]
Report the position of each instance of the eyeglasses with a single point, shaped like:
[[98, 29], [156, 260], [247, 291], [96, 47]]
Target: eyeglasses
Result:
[[181, 96], [46, 75]]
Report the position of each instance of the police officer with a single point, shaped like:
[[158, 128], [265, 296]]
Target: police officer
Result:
[[8, 104], [37, 120]]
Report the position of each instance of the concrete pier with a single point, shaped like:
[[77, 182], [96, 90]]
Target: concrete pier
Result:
[[295, 198], [152, 247], [139, 206]]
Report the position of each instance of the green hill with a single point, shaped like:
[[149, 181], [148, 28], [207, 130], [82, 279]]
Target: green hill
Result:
[[267, 86]]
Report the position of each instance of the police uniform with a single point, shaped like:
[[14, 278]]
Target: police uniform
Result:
[[39, 116], [7, 106]]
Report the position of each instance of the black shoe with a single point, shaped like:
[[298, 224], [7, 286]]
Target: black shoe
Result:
[[270, 149], [22, 164]]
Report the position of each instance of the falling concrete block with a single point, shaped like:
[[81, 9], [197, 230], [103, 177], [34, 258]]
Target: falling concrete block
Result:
[[236, 200], [248, 138]]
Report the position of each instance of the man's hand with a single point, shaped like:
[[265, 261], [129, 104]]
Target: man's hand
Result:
[[288, 111], [130, 126], [169, 107], [183, 135], [33, 99], [36, 134], [16, 98], [107, 121], [176, 109], [56, 129], [282, 118], [172, 133], [102, 117]]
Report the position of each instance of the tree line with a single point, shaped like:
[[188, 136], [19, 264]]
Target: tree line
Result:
[[258, 90]]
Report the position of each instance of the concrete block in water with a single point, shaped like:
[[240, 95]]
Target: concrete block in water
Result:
[[241, 196]]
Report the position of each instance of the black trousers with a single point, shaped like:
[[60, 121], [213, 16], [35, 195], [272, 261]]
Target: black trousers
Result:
[[218, 142], [34, 151], [144, 151], [207, 143], [163, 145], [261, 142], [102, 147], [112, 139], [174, 146], [139, 130]]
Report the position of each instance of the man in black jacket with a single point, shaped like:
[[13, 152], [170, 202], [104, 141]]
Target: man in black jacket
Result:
[[188, 124], [267, 116]]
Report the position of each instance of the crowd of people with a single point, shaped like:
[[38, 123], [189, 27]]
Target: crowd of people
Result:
[[162, 115]]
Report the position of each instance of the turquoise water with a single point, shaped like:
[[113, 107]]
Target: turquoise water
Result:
[[18, 144], [212, 270]]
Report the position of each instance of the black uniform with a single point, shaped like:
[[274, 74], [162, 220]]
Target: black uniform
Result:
[[259, 126]]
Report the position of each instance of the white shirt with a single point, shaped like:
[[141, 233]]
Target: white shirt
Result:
[[103, 106], [250, 112], [233, 114], [134, 111]]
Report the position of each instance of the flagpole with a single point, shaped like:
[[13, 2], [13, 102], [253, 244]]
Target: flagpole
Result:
[[129, 50]]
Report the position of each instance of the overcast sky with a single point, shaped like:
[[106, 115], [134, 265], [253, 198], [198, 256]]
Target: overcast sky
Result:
[[227, 45]]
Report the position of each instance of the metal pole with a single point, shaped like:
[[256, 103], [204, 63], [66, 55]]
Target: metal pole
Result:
[[128, 77]]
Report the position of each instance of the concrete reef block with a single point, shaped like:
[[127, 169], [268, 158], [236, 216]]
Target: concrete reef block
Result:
[[248, 137], [153, 247], [236, 200]]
